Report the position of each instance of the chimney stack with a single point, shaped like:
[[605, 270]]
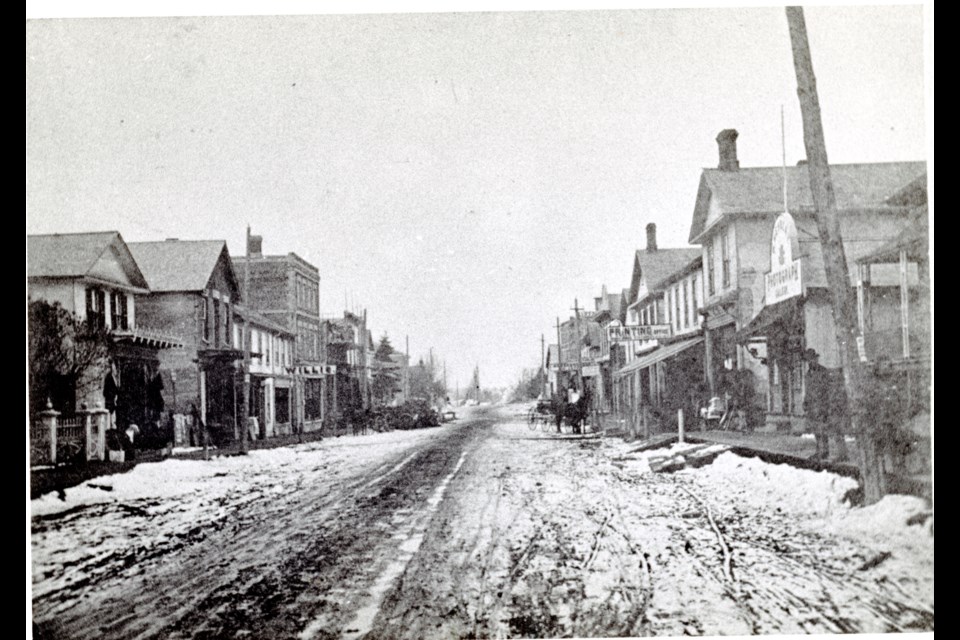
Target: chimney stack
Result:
[[255, 246], [727, 141], [651, 237]]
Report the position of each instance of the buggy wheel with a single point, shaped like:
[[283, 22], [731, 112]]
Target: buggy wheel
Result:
[[532, 420]]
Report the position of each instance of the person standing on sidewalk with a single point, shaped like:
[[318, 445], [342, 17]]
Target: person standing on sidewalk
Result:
[[816, 402]]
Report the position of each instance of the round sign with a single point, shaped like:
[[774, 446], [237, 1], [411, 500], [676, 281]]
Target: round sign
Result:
[[784, 242]]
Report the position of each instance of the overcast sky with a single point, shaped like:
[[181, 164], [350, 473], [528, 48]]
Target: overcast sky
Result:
[[463, 176]]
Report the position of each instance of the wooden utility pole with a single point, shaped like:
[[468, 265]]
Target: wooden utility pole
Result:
[[543, 367], [834, 261], [560, 390], [406, 372], [245, 338], [576, 321]]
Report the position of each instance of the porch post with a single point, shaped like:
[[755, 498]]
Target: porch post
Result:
[[904, 305]]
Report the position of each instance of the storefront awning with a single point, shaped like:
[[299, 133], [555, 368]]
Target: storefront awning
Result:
[[664, 352], [781, 312]]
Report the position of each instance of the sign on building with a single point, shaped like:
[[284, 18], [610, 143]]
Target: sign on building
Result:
[[618, 333], [591, 370], [785, 278]]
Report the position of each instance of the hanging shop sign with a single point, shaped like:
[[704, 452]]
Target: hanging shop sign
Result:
[[638, 332], [785, 278]]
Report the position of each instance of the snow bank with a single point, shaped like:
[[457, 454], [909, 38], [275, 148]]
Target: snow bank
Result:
[[756, 484], [176, 478]]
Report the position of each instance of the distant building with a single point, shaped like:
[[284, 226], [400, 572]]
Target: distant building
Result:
[[669, 376], [286, 290], [96, 277], [641, 383], [272, 379], [193, 293]]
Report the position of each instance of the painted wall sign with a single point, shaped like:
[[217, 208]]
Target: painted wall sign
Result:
[[638, 332], [785, 278]]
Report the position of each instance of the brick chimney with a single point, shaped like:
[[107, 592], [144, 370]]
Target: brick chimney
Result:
[[651, 237], [255, 246], [727, 141]]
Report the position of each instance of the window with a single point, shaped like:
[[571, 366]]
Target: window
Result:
[[96, 307], [676, 307], [708, 268], [216, 322], [203, 318], [686, 305], [693, 297], [725, 256], [227, 322], [118, 310]]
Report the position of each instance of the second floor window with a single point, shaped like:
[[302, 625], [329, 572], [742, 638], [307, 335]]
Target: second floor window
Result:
[[216, 322], [725, 256], [96, 307], [709, 269], [118, 310], [203, 319], [693, 297]]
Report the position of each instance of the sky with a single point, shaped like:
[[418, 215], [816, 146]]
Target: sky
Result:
[[462, 176]]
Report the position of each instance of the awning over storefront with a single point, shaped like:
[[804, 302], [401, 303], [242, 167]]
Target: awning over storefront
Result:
[[660, 354], [785, 311]]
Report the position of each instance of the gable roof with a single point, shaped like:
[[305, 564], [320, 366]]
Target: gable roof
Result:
[[74, 255], [258, 320], [181, 265], [678, 274], [759, 190], [655, 266]]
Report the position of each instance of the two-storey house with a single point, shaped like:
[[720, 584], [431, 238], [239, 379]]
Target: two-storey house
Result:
[[646, 325], [193, 292], [95, 277], [272, 389], [756, 327]]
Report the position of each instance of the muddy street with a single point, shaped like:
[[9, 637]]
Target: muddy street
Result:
[[480, 528]]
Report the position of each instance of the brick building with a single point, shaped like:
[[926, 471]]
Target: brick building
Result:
[[286, 289], [193, 290]]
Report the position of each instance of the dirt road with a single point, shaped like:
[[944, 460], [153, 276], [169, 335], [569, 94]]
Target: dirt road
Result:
[[480, 528]]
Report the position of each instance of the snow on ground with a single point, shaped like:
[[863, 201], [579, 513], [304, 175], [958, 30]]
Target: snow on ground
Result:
[[112, 521], [598, 544]]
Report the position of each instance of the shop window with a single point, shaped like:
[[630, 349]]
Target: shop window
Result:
[[282, 405], [118, 310]]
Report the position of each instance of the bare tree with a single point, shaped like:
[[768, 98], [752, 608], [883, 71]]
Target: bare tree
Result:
[[62, 349]]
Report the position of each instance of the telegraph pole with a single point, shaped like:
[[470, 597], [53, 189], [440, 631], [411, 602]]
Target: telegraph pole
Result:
[[576, 320], [559, 360], [834, 260], [245, 338], [543, 367]]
